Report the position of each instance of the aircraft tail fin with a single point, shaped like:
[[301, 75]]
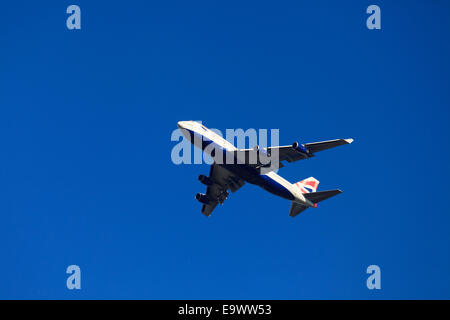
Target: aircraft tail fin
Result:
[[307, 185]]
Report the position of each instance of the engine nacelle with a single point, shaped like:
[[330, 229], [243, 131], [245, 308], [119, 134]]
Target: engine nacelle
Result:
[[203, 198], [205, 180], [299, 147]]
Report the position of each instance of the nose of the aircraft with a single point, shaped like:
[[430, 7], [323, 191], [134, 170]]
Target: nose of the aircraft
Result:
[[181, 124]]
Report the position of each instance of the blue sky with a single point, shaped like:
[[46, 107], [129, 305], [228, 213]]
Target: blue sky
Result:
[[86, 175]]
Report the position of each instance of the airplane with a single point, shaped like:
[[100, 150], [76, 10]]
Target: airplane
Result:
[[255, 166]]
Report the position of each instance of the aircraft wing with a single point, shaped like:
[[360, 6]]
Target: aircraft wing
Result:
[[324, 145], [222, 181], [271, 158], [295, 152]]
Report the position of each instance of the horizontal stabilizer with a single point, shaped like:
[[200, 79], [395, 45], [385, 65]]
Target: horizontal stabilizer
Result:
[[296, 208], [316, 197]]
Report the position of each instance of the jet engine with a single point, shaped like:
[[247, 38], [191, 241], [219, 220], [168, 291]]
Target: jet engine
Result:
[[299, 147], [205, 180], [201, 197]]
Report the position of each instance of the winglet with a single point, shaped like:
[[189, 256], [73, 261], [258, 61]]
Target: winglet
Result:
[[348, 140]]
